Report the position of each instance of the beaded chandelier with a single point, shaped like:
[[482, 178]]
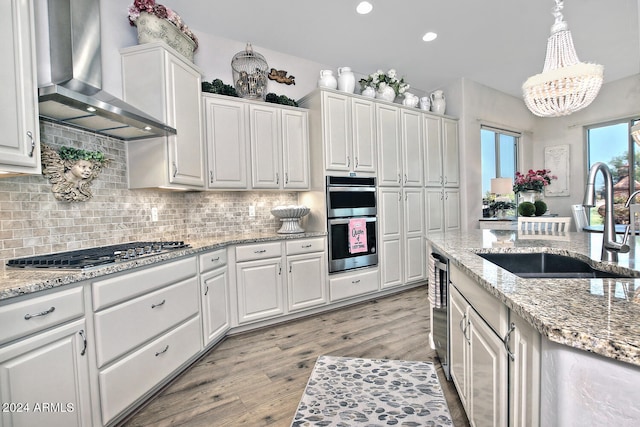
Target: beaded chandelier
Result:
[[565, 85]]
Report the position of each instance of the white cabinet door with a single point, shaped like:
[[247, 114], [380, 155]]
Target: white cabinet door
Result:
[[524, 373], [52, 369], [488, 375], [459, 344], [265, 146], [306, 284], [412, 150], [226, 131], [364, 135], [451, 209], [20, 140], [391, 218], [389, 146], [215, 304], [295, 149], [433, 175], [259, 287], [450, 162], [434, 197], [414, 250], [336, 117]]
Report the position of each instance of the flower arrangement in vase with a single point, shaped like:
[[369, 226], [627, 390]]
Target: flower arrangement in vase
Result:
[[533, 180], [387, 85], [152, 8]]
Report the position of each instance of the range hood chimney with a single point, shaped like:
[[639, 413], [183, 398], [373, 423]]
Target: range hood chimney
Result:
[[75, 96]]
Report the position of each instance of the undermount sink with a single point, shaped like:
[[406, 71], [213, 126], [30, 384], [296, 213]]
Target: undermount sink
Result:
[[545, 265]]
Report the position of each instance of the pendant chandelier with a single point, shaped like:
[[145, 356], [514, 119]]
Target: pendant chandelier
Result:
[[565, 85]]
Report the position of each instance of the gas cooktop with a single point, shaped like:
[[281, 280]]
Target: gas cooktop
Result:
[[87, 258]]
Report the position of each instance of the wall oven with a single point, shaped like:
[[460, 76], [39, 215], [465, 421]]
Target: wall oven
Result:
[[351, 222]]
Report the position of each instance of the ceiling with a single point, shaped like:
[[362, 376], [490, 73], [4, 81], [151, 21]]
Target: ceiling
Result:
[[498, 43]]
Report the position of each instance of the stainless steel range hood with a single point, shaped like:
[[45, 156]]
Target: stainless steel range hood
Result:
[[75, 96]]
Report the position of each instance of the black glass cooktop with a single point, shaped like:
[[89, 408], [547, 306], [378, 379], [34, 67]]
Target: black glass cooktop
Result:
[[86, 258]]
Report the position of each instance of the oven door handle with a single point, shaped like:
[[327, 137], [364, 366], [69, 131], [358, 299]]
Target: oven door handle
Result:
[[346, 220], [357, 189]]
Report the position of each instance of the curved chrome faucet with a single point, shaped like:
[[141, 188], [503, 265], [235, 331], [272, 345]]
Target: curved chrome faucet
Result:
[[610, 247]]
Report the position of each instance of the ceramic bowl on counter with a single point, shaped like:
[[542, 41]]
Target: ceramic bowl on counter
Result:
[[290, 217]]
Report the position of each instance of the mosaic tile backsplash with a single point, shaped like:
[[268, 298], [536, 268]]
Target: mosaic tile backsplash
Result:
[[32, 221]]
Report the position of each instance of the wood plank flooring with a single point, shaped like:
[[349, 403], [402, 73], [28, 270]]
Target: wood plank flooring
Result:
[[257, 378]]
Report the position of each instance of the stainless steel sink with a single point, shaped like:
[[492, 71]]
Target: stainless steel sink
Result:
[[545, 265]]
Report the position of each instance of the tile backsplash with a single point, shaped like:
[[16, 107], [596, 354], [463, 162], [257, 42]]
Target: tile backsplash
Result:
[[32, 221]]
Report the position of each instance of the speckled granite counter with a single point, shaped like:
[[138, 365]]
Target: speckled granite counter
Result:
[[598, 315], [16, 282]]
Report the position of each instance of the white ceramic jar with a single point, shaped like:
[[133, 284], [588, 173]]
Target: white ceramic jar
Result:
[[327, 80], [346, 80], [438, 103]]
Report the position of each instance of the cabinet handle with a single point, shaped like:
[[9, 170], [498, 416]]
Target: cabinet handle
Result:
[[175, 169], [279, 269], [441, 179], [289, 267], [42, 313], [355, 282], [286, 177], [306, 246], [357, 162], [159, 304], [442, 195], [506, 339], [206, 291], [84, 342], [405, 178], [399, 196], [277, 178], [33, 143], [210, 177], [348, 161], [399, 178], [464, 329], [216, 259], [445, 180], [261, 251], [164, 350]]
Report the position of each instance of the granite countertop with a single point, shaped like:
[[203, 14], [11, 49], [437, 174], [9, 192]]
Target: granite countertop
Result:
[[597, 315], [16, 282]]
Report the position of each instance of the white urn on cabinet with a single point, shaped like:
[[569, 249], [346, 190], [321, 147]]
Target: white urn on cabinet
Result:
[[327, 79], [346, 80]]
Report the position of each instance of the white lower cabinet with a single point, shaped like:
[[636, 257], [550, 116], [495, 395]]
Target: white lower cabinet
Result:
[[214, 295], [306, 267], [495, 359], [44, 379], [353, 284], [259, 285], [147, 325]]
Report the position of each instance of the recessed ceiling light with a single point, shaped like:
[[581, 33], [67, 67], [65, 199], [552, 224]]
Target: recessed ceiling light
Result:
[[364, 7], [430, 36], [91, 109]]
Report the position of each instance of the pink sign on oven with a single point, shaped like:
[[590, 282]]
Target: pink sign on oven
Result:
[[357, 235]]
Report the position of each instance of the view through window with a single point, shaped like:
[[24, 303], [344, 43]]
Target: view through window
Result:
[[498, 157], [612, 144]]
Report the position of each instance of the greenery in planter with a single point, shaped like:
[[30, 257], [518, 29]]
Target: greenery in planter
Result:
[[527, 209], [541, 207], [74, 154], [219, 87]]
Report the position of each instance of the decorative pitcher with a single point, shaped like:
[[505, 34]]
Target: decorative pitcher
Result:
[[410, 100], [346, 80], [369, 92], [425, 103], [438, 103], [327, 79]]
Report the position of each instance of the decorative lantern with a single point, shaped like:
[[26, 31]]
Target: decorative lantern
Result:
[[250, 71]]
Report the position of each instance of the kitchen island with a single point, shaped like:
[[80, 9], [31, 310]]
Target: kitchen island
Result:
[[589, 329]]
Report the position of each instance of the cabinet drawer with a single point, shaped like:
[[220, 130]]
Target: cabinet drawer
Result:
[[353, 284], [258, 251], [121, 328], [305, 246], [495, 313], [127, 380], [31, 315], [212, 260], [124, 287]]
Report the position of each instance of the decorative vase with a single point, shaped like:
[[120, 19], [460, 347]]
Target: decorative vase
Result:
[[346, 80], [528, 196], [386, 94], [369, 92], [438, 103], [410, 100], [152, 29], [327, 80]]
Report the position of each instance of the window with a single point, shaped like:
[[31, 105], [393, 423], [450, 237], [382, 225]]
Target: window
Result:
[[612, 144], [498, 157]]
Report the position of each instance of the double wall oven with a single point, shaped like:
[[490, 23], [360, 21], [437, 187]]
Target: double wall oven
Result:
[[351, 222]]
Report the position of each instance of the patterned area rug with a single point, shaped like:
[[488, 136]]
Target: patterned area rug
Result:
[[346, 391]]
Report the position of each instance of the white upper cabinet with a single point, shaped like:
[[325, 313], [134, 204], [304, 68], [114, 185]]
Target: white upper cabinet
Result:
[[20, 140], [442, 166], [295, 149], [389, 145], [171, 93]]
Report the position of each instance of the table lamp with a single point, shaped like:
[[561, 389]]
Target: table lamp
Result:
[[500, 187]]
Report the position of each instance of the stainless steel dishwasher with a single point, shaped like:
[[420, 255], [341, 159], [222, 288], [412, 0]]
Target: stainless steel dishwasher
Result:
[[439, 299]]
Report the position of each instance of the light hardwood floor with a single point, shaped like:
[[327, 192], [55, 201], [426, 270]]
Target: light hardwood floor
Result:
[[257, 378]]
